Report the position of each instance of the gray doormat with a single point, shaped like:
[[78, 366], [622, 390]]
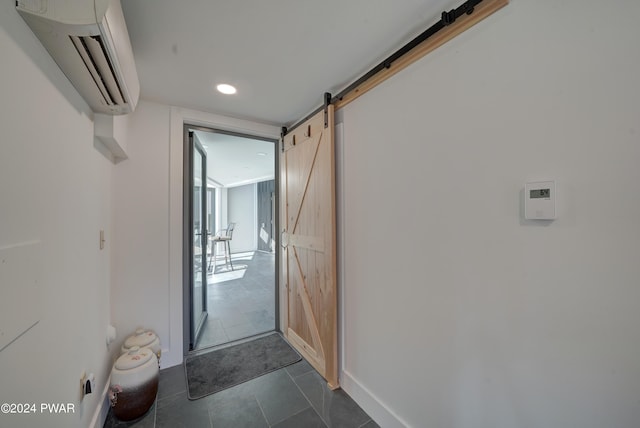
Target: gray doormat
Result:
[[217, 370]]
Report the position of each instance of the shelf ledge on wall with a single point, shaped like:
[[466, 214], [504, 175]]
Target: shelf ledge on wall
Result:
[[111, 131]]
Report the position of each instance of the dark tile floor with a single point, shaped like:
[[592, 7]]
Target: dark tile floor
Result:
[[241, 302], [292, 397]]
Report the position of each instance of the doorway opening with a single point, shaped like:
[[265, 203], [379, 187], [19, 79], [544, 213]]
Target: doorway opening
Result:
[[230, 221]]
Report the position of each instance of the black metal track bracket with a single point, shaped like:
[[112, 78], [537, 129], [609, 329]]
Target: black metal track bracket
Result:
[[283, 132], [327, 101], [449, 18]]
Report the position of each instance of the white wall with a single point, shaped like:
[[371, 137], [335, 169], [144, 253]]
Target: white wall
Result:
[[471, 316], [140, 281], [55, 188], [243, 211], [221, 209]]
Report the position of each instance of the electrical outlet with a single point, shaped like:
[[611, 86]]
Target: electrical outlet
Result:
[[87, 384], [90, 384]]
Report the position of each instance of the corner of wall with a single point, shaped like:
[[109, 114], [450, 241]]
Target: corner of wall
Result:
[[102, 410], [371, 404]]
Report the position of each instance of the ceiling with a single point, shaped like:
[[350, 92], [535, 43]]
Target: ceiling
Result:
[[235, 161], [282, 55]]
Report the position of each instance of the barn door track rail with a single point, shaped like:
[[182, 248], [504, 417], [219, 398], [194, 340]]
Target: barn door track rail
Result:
[[451, 24]]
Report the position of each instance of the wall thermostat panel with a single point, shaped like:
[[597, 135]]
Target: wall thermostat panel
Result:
[[540, 200]]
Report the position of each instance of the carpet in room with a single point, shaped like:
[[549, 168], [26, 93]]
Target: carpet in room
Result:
[[223, 368]]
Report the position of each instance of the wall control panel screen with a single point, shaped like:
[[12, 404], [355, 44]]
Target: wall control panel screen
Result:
[[540, 193]]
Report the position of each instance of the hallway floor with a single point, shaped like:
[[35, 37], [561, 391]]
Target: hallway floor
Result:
[[292, 397], [241, 302]]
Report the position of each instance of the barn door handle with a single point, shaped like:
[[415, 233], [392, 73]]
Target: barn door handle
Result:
[[284, 238]]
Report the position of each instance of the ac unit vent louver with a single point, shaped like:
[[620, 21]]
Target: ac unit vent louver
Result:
[[94, 55], [90, 42]]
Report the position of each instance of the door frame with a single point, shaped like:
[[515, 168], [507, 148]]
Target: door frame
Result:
[[187, 219], [188, 225]]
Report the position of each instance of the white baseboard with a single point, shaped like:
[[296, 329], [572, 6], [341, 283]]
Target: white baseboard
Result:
[[170, 359], [100, 415], [371, 404]]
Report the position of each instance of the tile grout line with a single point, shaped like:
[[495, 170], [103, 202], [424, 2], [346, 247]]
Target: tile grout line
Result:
[[370, 420], [158, 399], [210, 418], [321, 414], [289, 417], [305, 395], [264, 416]]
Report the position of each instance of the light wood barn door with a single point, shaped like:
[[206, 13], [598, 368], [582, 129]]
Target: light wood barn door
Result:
[[308, 262]]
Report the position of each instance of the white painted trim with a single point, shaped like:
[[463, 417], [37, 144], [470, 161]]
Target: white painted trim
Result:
[[224, 123], [102, 410], [371, 404], [340, 237], [172, 356], [380, 413]]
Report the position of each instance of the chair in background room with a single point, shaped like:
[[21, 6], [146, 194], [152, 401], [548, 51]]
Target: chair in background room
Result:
[[223, 236]]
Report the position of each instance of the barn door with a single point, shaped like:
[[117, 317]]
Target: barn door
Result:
[[308, 240]]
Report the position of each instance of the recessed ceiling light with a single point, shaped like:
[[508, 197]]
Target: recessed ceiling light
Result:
[[262, 154], [226, 89]]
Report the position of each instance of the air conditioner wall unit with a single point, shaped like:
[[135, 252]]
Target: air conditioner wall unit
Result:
[[89, 41]]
